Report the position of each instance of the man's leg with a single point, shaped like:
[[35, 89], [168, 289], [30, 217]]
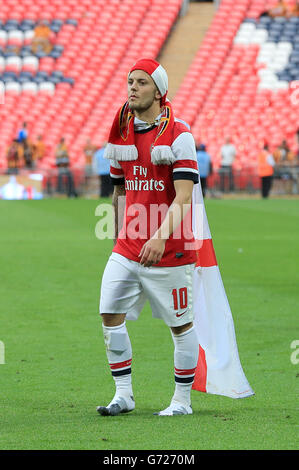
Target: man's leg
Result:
[[264, 186], [170, 293], [121, 291], [119, 355], [185, 361]]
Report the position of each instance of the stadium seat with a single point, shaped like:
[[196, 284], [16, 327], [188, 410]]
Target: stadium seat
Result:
[[28, 36], [48, 87], [15, 37], [29, 87], [13, 87], [2, 64], [253, 79], [67, 92], [13, 64], [30, 64], [3, 38]]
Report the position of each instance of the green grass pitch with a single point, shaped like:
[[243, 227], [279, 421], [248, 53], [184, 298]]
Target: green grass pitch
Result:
[[55, 371]]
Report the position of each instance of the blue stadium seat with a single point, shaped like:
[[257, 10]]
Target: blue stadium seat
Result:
[[40, 54], [265, 20], [56, 51], [9, 52], [294, 72], [11, 25], [25, 51], [26, 75], [43, 75], [294, 19], [54, 79], [72, 21], [9, 77], [56, 25], [69, 80], [26, 25]]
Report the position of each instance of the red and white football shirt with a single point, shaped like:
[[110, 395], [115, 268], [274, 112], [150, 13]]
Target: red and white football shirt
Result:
[[150, 192]]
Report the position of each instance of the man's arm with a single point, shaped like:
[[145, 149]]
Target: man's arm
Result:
[[119, 208], [152, 251]]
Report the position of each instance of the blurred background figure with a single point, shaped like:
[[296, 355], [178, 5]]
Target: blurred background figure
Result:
[[14, 157], [22, 133], [65, 177], [89, 151], [41, 41], [204, 166], [284, 8], [285, 162], [228, 155], [39, 150], [28, 153], [266, 166], [284, 155], [102, 166], [12, 190]]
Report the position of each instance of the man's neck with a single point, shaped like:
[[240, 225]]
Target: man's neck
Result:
[[149, 115]]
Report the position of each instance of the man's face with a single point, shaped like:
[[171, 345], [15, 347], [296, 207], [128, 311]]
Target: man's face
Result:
[[142, 91]]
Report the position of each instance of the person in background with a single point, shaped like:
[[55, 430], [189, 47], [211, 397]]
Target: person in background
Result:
[[266, 164], [89, 151], [63, 165], [12, 189], [28, 153], [23, 133], [42, 38], [39, 149], [103, 170], [285, 9], [13, 157], [204, 166], [228, 154], [283, 155], [285, 162]]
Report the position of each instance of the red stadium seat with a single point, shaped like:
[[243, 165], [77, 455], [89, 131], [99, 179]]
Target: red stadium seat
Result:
[[222, 80], [224, 83]]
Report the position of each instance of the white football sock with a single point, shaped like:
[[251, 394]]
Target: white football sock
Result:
[[185, 361], [119, 355]]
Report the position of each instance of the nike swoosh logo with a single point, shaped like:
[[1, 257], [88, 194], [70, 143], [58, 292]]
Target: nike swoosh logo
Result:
[[180, 314]]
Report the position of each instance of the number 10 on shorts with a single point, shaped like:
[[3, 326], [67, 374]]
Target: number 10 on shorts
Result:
[[180, 298]]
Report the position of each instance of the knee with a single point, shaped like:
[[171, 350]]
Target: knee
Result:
[[177, 330], [112, 319]]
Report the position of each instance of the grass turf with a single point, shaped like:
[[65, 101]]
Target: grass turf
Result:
[[55, 371]]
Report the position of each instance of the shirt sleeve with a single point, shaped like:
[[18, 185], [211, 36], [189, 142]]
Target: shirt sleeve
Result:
[[270, 160], [116, 173], [185, 166]]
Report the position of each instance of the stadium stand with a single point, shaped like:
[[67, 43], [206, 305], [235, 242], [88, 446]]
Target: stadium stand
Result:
[[242, 82], [67, 94]]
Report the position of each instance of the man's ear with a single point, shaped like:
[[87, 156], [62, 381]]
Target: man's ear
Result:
[[158, 95]]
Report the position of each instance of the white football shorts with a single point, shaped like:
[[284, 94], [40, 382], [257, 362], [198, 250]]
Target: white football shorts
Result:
[[126, 285]]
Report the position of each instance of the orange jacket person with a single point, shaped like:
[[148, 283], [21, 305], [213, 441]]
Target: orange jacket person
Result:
[[266, 165]]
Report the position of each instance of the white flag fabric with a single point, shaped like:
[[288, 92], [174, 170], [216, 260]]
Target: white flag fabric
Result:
[[219, 370]]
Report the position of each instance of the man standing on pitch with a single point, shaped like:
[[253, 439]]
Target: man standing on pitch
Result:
[[154, 165]]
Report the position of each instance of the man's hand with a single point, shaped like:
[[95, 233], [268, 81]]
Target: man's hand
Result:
[[152, 252]]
